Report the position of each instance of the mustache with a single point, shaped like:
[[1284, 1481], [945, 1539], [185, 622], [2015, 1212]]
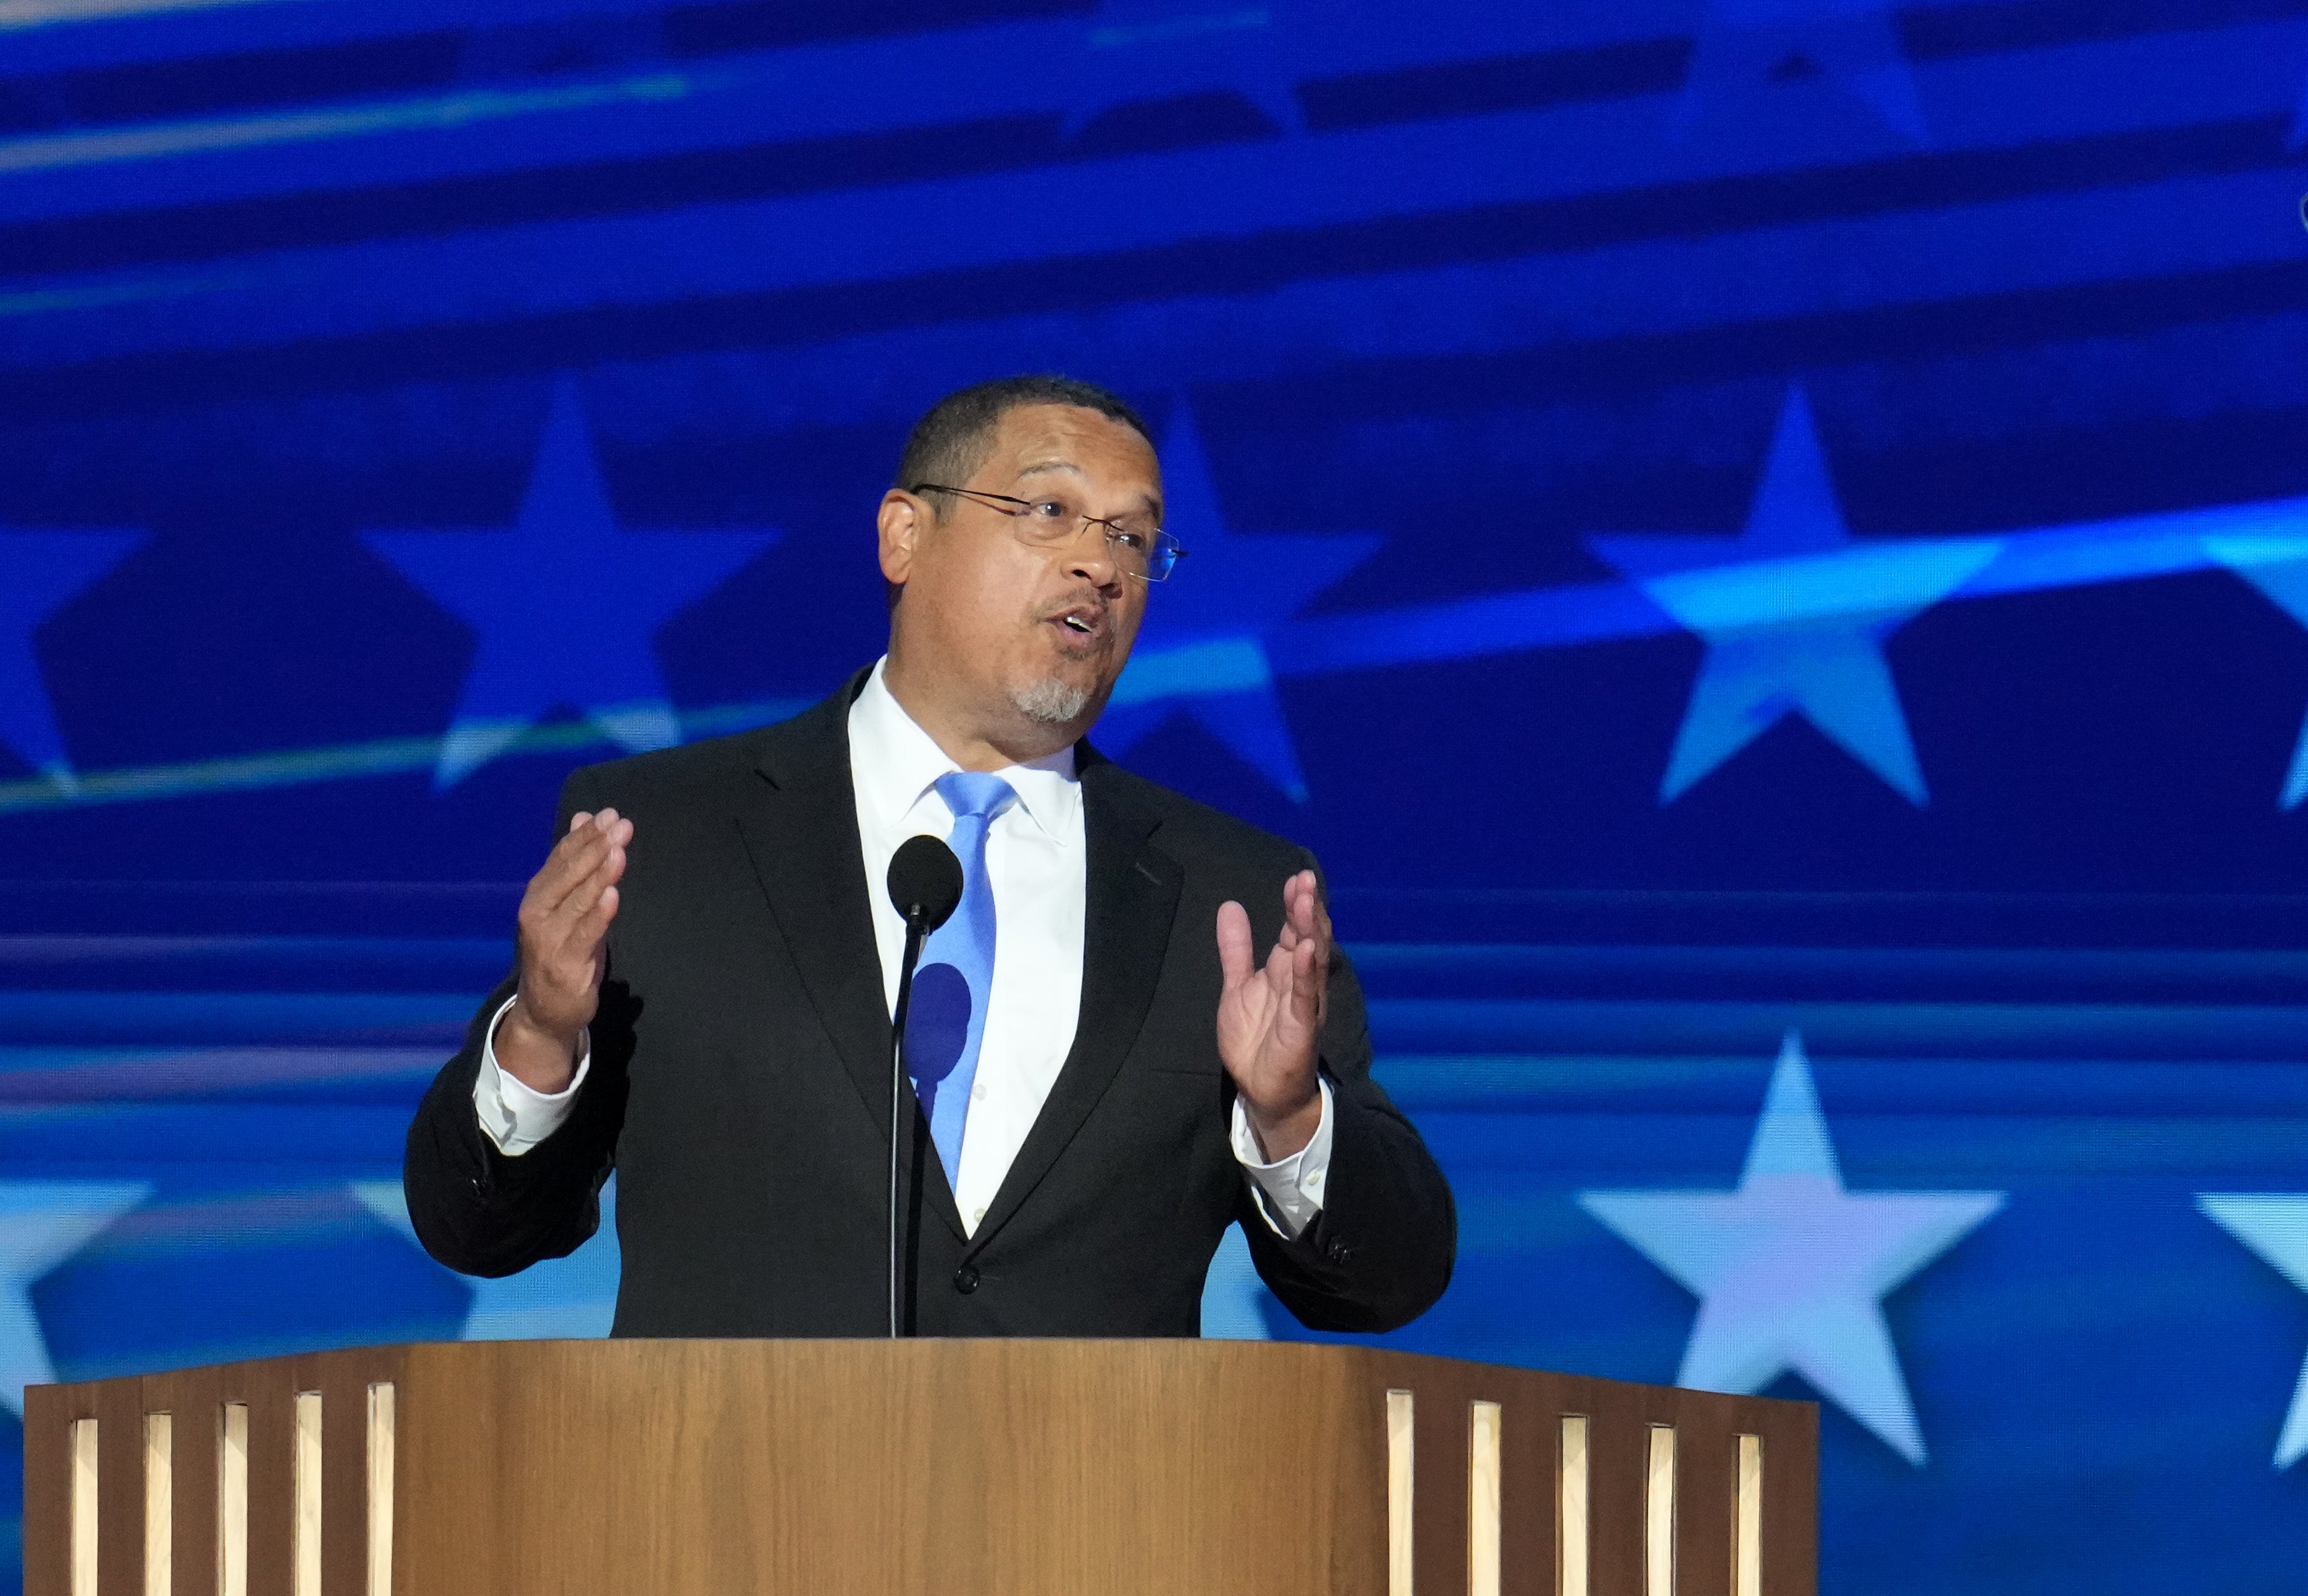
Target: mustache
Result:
[[1088, 599]]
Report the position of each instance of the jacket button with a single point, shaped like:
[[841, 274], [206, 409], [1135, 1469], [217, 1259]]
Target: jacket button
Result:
[[965, 1280], [1338, 1250]]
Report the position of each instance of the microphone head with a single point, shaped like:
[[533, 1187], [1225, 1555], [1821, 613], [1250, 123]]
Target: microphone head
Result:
[[925, 880]]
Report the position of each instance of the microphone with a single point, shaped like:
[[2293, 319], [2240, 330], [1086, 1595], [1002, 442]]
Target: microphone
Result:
[[925, 880], [926, 887]]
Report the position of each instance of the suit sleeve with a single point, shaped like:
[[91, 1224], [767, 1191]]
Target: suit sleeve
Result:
[[481, 1212], [1382, 1249]]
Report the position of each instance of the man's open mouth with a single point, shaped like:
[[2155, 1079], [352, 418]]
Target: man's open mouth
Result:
[[1083, 621]]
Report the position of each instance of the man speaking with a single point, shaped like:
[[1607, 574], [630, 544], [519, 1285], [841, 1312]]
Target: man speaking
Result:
[[1106, 1070]]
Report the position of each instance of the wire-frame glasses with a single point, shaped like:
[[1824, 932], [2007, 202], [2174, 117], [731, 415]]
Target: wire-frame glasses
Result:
[[1140, 549]]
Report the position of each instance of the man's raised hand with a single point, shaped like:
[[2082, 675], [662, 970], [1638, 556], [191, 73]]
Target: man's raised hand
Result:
[[564, 920], [1269, 1018]]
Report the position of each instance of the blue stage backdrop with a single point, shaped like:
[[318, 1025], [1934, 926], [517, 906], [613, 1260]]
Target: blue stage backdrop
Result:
[[1765, 543]]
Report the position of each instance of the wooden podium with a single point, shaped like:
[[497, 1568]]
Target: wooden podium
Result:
[[963, 1467]]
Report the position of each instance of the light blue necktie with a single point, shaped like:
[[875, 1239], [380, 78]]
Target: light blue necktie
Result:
[[946, 1020]]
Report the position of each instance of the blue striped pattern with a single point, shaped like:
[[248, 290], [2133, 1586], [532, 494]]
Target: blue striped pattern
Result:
[[1472, 290]]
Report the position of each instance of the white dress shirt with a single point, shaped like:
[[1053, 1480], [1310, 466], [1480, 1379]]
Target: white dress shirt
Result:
[[1036, 858]]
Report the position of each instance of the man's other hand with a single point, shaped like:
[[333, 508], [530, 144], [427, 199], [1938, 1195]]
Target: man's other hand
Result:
[[1270, 1017], [564, 922]]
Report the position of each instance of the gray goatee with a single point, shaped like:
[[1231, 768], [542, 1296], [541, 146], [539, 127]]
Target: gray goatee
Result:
[[1051, 702]]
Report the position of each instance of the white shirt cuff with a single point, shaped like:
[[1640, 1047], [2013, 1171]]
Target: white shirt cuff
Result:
[[1289, 1190], [515, 1116]]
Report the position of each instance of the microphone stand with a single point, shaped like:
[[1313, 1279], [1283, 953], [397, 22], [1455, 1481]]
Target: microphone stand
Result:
[[917, 931]]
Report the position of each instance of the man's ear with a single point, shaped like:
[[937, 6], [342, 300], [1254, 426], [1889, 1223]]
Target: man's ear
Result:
[[900, 523]]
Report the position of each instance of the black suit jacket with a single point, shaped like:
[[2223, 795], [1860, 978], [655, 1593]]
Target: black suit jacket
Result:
[[740, 1087]]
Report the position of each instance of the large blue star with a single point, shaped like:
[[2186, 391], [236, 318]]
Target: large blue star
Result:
[[42, 1224], [1203, 650], [1794, 614], [44, 570], [1791, 1269], [566, 604], [1136, 50], [1851, 44]]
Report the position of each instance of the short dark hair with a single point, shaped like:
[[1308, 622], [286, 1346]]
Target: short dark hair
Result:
[[949, 444]]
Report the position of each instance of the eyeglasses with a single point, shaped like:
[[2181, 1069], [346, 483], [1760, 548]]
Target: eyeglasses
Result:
[[1140, 549]]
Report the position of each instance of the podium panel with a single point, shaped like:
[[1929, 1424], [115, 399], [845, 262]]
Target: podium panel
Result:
[[963, 1467]]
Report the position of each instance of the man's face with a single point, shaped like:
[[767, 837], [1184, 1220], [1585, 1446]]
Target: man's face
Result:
[[998, 628]]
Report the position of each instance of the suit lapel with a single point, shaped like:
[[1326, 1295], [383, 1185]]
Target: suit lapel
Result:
[[1130, 897], [799, 823]]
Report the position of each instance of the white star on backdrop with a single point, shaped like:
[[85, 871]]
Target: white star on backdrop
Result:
[[1854, 45], [1202, 651], [1791, 1269], [43, 1222], [562, 1298], [2276, 1227], [567, 605], [1794, 614]]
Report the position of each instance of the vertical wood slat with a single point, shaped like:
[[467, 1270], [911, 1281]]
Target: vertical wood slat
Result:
[[1659, 1513], [1788, 1534], [1439, 1524], [1529, 1440], [84, 1466], [1401, 1478], [189, 1397], [1618, 1463], [47, 1491], [159, 1504], [232, 1499], [1747, 1520], [1572, 1516], [272, 1397], [1706, 1473], [1484, 1448], [344, 1494], [380, 1488], [305, 1480], [119, 1412]]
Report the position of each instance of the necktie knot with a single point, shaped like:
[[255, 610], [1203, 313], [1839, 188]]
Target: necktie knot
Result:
[[976, 793]]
